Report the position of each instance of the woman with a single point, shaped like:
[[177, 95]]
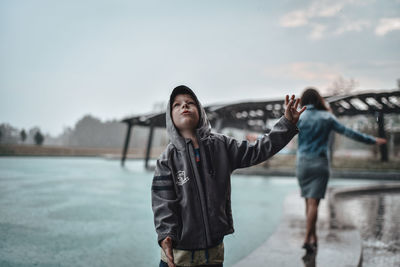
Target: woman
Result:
[[316, 125]]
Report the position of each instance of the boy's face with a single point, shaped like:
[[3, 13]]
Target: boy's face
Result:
[[185, 114]]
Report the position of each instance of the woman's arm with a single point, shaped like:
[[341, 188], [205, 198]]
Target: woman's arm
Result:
[[355, 135]]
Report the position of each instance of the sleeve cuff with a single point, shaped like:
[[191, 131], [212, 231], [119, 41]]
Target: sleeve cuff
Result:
[[289, 124], [162, 236]]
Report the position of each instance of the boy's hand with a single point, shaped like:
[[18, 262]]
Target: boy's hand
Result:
[[291, 112], [166, 245]]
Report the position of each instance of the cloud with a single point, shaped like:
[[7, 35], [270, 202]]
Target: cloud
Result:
[[317, 9], [322, 75], [303, 73], [387, 25], [325, 9], [310, 72], [384, 64], [294, 19], [353, 26], [317, 32], [314, 17]]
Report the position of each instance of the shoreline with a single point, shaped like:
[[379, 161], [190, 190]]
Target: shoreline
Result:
[[70, 151], [279, 165]]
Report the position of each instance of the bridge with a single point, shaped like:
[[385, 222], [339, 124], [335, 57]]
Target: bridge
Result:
[[253, 115]]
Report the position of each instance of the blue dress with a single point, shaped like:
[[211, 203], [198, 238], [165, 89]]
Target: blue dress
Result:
[[313, 163]]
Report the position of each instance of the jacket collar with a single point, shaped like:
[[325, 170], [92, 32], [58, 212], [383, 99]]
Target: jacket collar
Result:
[[310, 106]]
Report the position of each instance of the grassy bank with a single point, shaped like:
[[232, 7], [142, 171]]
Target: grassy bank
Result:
[[277, 162], [338, 163], [33, 150]]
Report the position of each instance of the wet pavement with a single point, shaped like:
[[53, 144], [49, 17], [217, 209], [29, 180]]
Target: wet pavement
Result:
[[357, 226], [376, 214], [283, 248]]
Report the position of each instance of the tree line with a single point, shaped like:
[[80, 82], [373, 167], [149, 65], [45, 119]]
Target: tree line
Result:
[[89, 131]]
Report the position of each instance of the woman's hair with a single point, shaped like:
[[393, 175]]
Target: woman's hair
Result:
[[311, 96]]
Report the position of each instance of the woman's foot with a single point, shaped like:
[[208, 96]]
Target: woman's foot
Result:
[[313, 239], [310, 247]]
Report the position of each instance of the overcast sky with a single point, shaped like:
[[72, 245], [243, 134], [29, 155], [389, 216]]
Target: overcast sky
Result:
[[60, 60]]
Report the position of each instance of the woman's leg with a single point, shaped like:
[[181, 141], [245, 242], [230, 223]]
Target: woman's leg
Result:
[[311, 223], [306, 207], [314, 238]]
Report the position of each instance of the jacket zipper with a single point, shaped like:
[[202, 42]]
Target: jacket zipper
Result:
[[198, 195], [209, 158]]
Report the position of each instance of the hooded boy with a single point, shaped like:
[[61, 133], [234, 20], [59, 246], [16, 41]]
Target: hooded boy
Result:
[[191, 190]]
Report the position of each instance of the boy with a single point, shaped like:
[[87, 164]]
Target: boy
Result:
[[191, 191]]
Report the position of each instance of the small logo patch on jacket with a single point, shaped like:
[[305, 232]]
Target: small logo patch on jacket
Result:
[[181, 178]]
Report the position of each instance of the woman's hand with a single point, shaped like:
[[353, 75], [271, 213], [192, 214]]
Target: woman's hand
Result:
[[380, 141], [166, 245], [291, 112]]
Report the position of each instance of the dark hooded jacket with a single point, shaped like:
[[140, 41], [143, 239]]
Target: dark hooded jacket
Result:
[[193, 206]]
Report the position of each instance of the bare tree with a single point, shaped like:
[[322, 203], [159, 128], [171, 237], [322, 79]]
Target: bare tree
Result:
[[9, 134], [342, 86], [159, 106]]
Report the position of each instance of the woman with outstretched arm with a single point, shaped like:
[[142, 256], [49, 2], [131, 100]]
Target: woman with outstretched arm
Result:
[[313, 158]]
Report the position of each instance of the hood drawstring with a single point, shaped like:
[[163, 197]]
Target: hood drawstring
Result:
[[192, 256], [210, 160], [207, 256]]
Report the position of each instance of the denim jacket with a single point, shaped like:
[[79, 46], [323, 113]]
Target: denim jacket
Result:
[[315, 127]]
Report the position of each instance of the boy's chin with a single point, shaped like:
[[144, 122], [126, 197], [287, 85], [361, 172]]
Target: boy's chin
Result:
[[187, 125]]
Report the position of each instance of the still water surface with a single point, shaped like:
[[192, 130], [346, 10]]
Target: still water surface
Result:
[[92, 212]]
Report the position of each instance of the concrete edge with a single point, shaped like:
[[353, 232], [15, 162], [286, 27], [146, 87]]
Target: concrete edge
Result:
[[389, 175], [350, 190], [341, 247], [335, 192]]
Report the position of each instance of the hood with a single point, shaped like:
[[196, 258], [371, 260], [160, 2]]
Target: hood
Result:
[[203, 129]]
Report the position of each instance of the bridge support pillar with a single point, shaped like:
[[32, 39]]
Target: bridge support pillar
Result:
[[126, 144], [148, 150], [381, 133]]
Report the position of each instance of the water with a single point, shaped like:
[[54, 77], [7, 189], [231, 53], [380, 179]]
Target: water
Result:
[[92, 212], [377, 216]]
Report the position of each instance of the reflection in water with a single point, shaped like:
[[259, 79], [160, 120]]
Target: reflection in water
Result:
[[377, 216], [309, 259]]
